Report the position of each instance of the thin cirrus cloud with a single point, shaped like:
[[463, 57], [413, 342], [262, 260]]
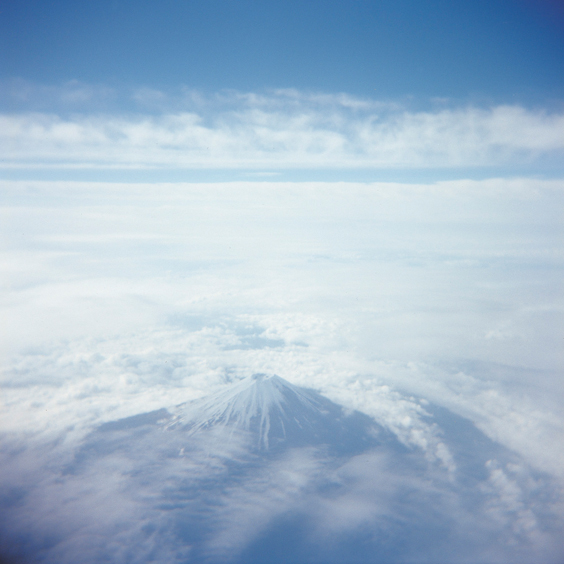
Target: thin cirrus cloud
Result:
[[281, 129]]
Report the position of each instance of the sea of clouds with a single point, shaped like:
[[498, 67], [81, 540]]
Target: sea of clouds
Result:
[[122, 298]]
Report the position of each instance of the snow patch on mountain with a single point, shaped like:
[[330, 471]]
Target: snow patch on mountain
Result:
[[261, 403], [275, 413]]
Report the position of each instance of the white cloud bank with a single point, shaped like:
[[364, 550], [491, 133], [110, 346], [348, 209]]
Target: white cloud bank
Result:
[[117, 298], [284, 129]]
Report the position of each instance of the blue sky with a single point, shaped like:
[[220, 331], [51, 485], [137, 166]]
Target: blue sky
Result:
[[503, 51]]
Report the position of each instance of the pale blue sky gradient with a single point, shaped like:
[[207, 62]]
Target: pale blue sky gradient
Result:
[[482, 51]]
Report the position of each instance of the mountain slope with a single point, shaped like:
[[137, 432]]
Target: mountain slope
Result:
[[278, 414], [267, 472]]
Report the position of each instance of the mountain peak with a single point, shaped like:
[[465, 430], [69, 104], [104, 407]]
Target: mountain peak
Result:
[[263, 404], [277, 414]]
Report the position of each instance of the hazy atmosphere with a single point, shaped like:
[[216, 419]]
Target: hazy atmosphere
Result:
[[282, 282]]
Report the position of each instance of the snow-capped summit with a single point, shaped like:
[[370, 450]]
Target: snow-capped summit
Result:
[[275, 411]]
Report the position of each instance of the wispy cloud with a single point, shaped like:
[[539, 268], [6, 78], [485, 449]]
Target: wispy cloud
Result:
[[280, 129]]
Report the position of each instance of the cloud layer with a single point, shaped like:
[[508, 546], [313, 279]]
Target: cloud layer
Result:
[[413, 303], [449, 291], [142, 491], [278, 130]]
